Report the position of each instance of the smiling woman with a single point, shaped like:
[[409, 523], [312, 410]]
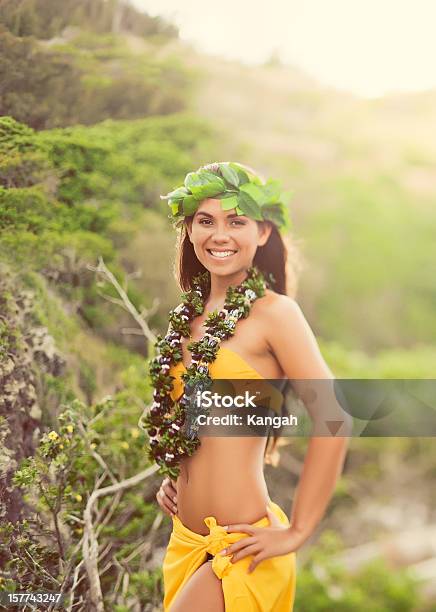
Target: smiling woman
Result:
[[234, 236], [222, 236], [277, 255], [274, 254], [232, 548]]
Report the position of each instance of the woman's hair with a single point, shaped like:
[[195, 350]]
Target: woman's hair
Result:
[[279, 256]]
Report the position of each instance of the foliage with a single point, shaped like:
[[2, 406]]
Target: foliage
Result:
[[86, 80], [323, 583], [39, 86], [82, 184], [374, 245], [418, 361], [128, 161], [92, 446], [47, 18], [237, 187]]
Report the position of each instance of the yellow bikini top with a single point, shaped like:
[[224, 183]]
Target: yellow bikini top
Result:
[[227, 365]]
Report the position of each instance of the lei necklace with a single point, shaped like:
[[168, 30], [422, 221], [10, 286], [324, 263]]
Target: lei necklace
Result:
[[171, 425]]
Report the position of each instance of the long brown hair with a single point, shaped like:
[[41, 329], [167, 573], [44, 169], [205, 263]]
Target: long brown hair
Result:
[[279, 256]]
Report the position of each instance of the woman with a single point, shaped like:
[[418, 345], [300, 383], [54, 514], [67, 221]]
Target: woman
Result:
[[231, 547]]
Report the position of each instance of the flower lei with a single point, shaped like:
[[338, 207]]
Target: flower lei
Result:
[[171, 425]]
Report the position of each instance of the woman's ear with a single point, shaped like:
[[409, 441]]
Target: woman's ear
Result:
[[264, 233]]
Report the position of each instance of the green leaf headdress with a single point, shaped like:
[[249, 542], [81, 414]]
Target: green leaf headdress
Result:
[[238, 187]]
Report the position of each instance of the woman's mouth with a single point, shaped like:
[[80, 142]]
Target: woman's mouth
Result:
[[221, 254]]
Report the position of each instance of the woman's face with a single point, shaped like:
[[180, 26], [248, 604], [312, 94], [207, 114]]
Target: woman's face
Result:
[[224, 241]]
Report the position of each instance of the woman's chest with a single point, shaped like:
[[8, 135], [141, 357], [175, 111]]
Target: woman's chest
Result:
[[249, 343]]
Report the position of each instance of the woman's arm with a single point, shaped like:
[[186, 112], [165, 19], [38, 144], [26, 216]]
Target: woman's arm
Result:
[[295, 347]]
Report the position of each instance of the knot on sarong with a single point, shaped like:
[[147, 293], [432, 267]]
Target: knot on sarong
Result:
[[221, 565], [216, 541]]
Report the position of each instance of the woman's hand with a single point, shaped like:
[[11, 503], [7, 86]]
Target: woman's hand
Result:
[[167, 496], [264, 542]]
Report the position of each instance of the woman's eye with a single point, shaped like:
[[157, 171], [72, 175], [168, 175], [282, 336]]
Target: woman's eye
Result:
[[208, 222]]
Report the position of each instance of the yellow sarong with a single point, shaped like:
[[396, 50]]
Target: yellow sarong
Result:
[[269, 588]]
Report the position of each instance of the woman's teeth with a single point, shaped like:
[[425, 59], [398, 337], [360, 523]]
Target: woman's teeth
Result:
[[221, 254]]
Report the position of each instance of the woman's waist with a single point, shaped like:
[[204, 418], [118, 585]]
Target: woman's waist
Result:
[[208, 471], [226, 508], [230, 496], [204, 488]]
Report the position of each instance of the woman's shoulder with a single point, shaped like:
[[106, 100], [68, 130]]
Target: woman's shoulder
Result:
[[274, 304], [275, 308], [275, 312]]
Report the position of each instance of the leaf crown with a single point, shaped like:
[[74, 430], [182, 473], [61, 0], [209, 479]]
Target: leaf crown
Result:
[[237, 186]]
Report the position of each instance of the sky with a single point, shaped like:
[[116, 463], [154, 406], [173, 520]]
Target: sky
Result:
[[367, 47]]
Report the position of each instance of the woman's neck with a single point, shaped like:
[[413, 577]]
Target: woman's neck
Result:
[[219, 286]]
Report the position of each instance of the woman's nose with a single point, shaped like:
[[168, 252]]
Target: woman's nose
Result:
[[220, 232], [220, 235]]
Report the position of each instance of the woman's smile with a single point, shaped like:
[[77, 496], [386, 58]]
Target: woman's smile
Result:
[[221, 253]]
